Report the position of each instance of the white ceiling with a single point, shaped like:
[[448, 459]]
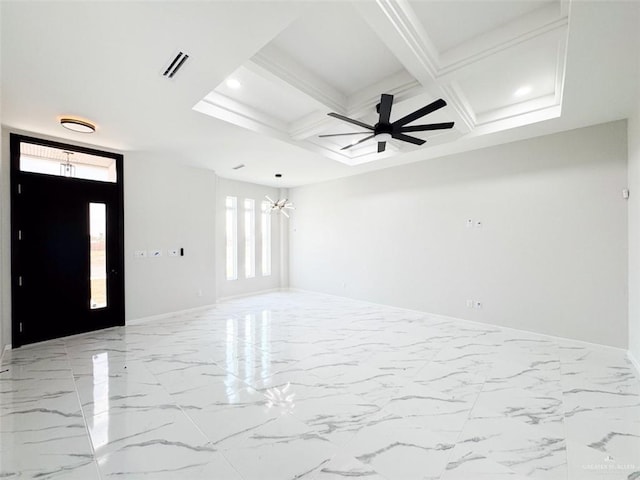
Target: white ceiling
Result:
[[297, 61]]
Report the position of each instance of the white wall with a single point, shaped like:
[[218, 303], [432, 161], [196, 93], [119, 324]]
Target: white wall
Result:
[[168, 205], [550, 257], [243, 286], [4, 195], [634, 235]]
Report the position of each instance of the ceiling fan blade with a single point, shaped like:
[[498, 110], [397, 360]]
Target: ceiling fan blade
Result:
[[359, 141], [432, 107], [407, 138], [350, 120], [342, 134], [381, 146], [386, 101], [424, 128]]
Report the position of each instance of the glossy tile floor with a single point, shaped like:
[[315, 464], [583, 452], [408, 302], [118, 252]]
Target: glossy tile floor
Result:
[[305, 386]]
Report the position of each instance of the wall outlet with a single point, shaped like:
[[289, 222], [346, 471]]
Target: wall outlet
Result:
[[469, 223], [155, 253], [478, 224], [477, 304], [469, 303], [172, 252], [140, 254]]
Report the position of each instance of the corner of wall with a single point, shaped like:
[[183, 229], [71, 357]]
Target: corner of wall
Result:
[[635, 363], [633, 221]]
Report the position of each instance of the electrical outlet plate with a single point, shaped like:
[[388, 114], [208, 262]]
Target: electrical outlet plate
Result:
[[155, 253]]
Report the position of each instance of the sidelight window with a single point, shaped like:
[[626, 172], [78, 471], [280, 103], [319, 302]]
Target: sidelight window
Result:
[[98, 254]]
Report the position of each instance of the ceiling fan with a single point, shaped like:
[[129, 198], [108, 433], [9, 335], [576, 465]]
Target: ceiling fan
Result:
[[385, 130]]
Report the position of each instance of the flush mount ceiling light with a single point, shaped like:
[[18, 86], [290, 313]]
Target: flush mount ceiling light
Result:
[[77, 125]]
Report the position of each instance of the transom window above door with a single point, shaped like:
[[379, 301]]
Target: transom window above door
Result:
[[35, 158]]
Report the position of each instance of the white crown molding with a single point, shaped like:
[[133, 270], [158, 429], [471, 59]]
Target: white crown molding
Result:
[[426, 71], [400, 85], [460, 104], [499, 123], [309, 125], [280, 66], [224, 108], [404, 20], [440, 69], [529, 27]]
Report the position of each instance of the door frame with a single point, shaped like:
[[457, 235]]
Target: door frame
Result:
[[16, 174]]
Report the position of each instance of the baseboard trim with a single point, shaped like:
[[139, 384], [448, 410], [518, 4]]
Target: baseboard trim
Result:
[[473, 322], [164, 316], [252, 294], [6, 348], [634, 361]]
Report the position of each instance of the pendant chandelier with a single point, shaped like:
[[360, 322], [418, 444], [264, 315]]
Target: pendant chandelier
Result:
[[280, 205]]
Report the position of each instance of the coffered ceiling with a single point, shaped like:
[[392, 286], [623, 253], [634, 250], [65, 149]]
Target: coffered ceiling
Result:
[[507, 69], [496, 64]]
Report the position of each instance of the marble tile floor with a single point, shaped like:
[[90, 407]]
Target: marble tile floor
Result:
[[296, 385]]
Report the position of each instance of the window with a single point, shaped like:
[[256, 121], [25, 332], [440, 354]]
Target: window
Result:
[[36, 158], [266, 239], [98, 254], [232, 237], [249, 238]]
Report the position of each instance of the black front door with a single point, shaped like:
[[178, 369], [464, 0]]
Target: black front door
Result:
[[67, 258]]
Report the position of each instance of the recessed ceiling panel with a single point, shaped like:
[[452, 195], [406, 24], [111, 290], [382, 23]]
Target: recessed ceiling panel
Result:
[[337, 46], [452, 23], [274, 99], [522, 73]]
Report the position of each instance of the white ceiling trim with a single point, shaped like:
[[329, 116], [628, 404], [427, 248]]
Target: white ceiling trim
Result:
[[427, 71], [224, 108], [400, 85], [461, 105], [529, 27], [280, 66], [439, 69]]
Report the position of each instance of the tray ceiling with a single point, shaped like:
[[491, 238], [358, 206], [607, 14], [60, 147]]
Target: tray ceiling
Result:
[[498, 65]]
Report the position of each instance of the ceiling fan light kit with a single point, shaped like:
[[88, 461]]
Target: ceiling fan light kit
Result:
[[385, 130]]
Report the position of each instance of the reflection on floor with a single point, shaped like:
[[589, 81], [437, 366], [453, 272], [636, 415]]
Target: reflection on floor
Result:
[[305, 386]]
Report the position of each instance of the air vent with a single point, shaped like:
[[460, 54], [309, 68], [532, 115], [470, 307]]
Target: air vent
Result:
[[175, 65], [238, 167]]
